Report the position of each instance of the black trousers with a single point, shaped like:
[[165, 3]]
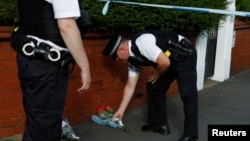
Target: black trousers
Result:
[[44, 87], [185, 74]]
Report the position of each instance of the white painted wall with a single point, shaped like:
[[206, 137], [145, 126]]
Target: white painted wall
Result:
[[224, 47], [223, 51], [201, 47]]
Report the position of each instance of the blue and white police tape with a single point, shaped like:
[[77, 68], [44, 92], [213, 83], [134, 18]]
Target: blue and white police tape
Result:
[[184, 8]]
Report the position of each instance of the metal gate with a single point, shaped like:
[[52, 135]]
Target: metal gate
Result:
[[210, 53]]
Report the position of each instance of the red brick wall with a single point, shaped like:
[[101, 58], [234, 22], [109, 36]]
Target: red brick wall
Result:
[[108, 80], [11, 111], [241, 50]]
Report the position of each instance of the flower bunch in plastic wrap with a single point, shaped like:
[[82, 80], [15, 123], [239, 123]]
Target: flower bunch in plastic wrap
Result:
[[105, 112], [104, 117]]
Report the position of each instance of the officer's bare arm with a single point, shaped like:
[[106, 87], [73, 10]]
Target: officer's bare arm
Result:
[[163, 63], [72, 38], [127, 95]]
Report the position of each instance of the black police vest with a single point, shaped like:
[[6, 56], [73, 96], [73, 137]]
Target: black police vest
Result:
[[37, 19], [162, 39]]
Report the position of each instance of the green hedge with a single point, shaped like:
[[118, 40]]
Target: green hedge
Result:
[[137, 18], [8, 12], [243, 5]]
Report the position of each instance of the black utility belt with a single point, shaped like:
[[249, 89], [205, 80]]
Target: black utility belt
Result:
[[47, 50], [179, 51], [35, 47]]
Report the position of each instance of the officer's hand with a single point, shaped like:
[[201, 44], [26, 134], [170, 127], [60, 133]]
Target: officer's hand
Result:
[[154, 77], [118, 115], [86, 80]]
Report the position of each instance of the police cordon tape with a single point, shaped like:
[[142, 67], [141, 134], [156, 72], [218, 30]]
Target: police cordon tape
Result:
[[184, 8]]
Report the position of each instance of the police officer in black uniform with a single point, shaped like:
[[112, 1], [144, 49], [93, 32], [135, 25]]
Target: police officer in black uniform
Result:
[[173, 58], [47, 37]]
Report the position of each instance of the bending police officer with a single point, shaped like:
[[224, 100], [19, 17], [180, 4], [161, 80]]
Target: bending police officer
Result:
[[173, 57]]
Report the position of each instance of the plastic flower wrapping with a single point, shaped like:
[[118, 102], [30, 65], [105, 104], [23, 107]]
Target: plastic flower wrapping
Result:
[[67, 131], [104, 117]]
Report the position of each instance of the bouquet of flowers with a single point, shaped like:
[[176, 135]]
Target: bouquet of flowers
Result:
[[104, 117]]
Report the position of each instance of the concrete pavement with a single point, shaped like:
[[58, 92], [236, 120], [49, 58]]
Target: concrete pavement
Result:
[[223, 103]]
